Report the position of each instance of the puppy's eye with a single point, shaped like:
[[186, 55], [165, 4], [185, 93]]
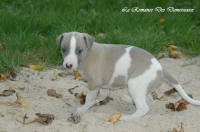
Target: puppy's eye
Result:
[[63, 50], [79, 51]]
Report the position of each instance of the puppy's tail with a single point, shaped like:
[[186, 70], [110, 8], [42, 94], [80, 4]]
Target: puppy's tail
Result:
[[172, 81]]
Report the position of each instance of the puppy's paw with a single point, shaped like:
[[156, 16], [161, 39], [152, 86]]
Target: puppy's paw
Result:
[[75, 118]]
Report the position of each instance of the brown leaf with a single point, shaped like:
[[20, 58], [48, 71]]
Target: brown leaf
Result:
[[44, 119], [161, 20], [22, 89], [1, 46], [77, 76], [10, 74], [42, 37], [182, 101], [154, 95], [174, 130], [174, 54], [7, 92], [2, 77], [114, 117], [181, 129], [160, 55], [171, 91], [170, 106], [80, 96], [35, 67], [52, 92], [20, 100], [180, 105]]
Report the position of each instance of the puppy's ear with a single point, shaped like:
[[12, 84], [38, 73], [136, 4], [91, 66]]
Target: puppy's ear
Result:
[[59, 40], [88, 40]]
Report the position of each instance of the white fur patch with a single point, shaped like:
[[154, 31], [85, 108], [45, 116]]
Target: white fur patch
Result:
[[122, 66], [72, 58], [142, 81]]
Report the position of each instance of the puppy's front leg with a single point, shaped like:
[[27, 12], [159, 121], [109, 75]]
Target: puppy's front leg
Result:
[[89, 102]]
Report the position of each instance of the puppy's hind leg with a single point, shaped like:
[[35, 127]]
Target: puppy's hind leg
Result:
[[137, 91]]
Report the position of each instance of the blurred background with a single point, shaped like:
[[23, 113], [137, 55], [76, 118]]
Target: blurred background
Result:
[[28, 28]]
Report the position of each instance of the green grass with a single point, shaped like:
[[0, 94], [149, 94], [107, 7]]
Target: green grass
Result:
[[22, 22]]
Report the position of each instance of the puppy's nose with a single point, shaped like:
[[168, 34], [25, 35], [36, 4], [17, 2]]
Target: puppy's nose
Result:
[[69, 66]]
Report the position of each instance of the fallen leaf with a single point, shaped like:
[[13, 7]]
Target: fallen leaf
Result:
[[160, 55], [20, 100], [171, 91], [55, 75], [1, 46], [180, 105], [114, 117], [42, 37], [181, 129], [2, 77], [174, 54], [52, 92], [154, 95], [182, 101], [35, 67], [7, 92], [77, 76], [171, 50], [174, 130], [44, 119], [161, 20], [101, 35], [162, 98], [80, 96], [10, 75]]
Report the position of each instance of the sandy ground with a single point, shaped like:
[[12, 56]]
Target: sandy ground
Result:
[[159, 119]]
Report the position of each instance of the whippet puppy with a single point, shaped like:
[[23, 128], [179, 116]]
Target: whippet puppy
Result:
[[105, 66]]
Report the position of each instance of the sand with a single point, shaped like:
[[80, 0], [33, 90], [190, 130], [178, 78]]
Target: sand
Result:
[[158, 119]]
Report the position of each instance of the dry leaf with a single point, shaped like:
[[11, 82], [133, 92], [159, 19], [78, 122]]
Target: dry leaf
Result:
[[171, 91], [35, 67], [114, 117], [154, 95], [42, 37], [159, 56], [2, 77], [52, 92], [162, 98], [80, 96], [55, 75], [101, 35], [174, 130], [161, 20], [180, 105], [181, 129], [20, 100], [10, 75], [1, 46], [7, 92], [171, 49], [174, 54], [22, 89], [44, 119], [77, 76]]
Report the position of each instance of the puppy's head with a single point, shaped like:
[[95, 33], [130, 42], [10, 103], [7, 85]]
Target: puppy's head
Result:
[[74, 47]]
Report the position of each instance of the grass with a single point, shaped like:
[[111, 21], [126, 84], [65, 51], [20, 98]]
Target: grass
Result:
[[28, 28]]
